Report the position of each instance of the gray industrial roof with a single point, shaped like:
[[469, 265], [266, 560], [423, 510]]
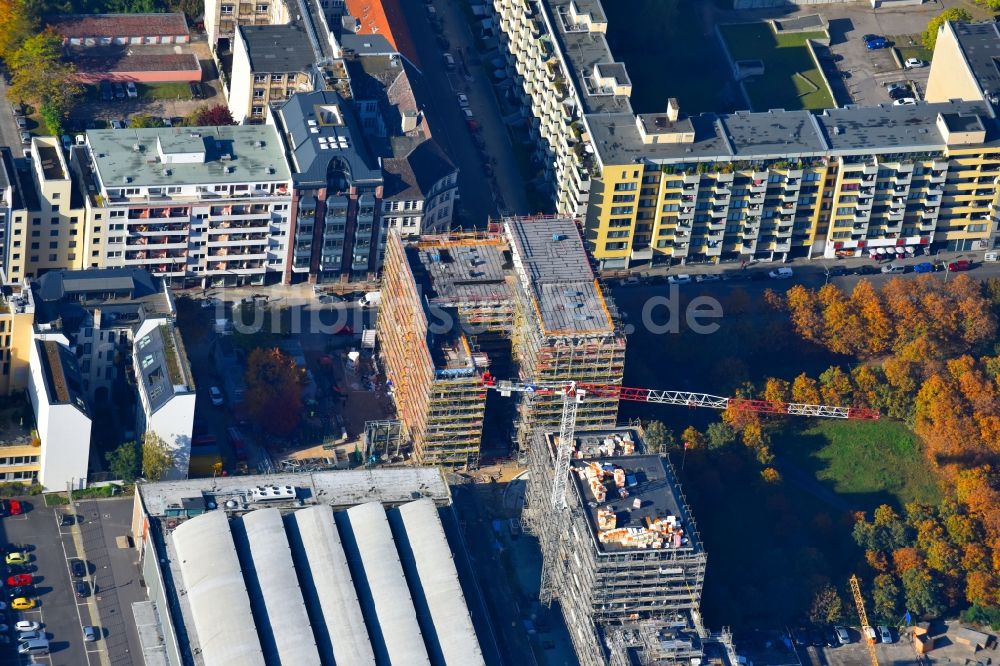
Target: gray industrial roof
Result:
[[980, 44], [364, 45], [114, 282], [216, 592], [320, 129], [438, 582], [550, 258], [330, 593], [282, 621], [277, 48], [188, 156], [336, 488], [386, 597]]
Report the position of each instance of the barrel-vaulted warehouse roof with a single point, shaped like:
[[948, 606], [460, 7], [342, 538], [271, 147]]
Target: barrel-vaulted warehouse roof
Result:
[[216, 592], [386, 595], [438, 581], [282, 621], [334, 607]]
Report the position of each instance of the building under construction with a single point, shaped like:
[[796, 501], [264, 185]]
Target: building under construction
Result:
[[519, 299], [625, 560]]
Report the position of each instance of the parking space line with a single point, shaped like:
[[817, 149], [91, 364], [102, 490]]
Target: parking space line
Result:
[[69, 573]]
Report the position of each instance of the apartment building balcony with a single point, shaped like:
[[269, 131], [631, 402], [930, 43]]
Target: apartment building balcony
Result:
[[869, 169], [151, 257], [157, 243], [789, 197], [237, 254], [718, 212], [864, 205], [938, 176]]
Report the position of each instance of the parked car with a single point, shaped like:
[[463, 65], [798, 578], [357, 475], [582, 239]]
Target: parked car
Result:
[[884, 634], [90, 634], [167, 122], [468, 114], [924, 267], [832, 639], [107, 91], [900, 93], [82, 589], [463, 100], [24, 636], [873, 42], [27, 625], [683, 278], [16, 557], [67, 142], [449, 61], [120, 91], [23, 603], [25, 137], [865, 270], [22, 122], [78, 568], [117, 124], [960, 265], [843, 635], [894, 268], [905, 101], [215, 393], [913, 63], [17, 108], [131, 90], [196, 90], [23, 591], [706, 277], [781, 273]]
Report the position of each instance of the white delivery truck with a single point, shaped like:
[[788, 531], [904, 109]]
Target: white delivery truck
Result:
[[371, 299]]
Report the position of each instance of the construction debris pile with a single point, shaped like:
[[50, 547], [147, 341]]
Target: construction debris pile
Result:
[[665, 532], [614, 444]]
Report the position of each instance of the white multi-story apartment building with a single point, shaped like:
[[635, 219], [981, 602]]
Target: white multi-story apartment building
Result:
[[222, 17], [195, 205], [61, 414]]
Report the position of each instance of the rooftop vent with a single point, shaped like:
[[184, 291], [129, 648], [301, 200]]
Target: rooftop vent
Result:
[[230, 169], [259, 144], [270, 170], [127, 179], [225, 157], [167, 172], [270, 493], [136, 147], [558, 237]]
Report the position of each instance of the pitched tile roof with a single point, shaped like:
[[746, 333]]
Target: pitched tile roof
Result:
[[119, 25]]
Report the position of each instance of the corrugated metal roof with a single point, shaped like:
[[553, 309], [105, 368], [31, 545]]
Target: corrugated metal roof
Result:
[[390, 598], [286, 635], [216, 593], [338, 623], [442, 590]]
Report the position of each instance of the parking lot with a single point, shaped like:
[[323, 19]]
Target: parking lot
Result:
[[52, 544]]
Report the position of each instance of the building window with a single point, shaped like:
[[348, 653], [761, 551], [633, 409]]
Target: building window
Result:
[[54, 232], [226, 9], [53, 257], [626, 187], [261, 9], [54, 245], [257, 111], [258, 93]]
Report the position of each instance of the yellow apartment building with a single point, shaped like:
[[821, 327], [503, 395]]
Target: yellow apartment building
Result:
[[772, 185]]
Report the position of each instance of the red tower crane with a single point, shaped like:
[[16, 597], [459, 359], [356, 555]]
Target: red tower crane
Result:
[[574, 394]]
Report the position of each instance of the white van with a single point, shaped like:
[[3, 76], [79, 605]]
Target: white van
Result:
[[780, 274]]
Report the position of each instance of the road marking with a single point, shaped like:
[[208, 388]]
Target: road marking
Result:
[[92, 613]]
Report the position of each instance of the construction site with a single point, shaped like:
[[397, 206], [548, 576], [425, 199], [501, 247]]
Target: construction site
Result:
[[623, 557], [520, 300]]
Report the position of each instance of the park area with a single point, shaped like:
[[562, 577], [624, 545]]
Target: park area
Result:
[[791, 79]]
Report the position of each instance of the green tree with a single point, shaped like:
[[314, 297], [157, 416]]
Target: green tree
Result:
[[658, 437], [719, 435], [141, 120], [827, 606], [41, 76], [993, 5], [53, 119], [885, 596], [192, 9], [693, 438], [929, 36], [123, 462], [922, 592], [156, 457]]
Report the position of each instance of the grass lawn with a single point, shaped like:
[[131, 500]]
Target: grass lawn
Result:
[[165, 91], [909, 46], [791, 80], [870, 461], [670, 50]]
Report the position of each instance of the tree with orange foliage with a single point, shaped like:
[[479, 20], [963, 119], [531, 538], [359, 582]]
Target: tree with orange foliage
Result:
[[777, 390], [693, 438], [274, 390], [981, 588], [904, 559], [18, 21], [835, 386], [805, 313], [804, 389], [876, 322]]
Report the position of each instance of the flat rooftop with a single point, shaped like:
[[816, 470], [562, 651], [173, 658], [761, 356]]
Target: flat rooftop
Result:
[[278, 48], [789, 134], [637, 505], [453, 273], [338, 489], [583, 51], [165, 156], [119, 25], [553, 265]]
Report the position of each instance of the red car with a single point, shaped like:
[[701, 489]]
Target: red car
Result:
[[960, 265], [14, 507], [20, 580]]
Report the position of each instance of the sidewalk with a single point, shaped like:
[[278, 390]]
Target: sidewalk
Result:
[[818, 263]]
